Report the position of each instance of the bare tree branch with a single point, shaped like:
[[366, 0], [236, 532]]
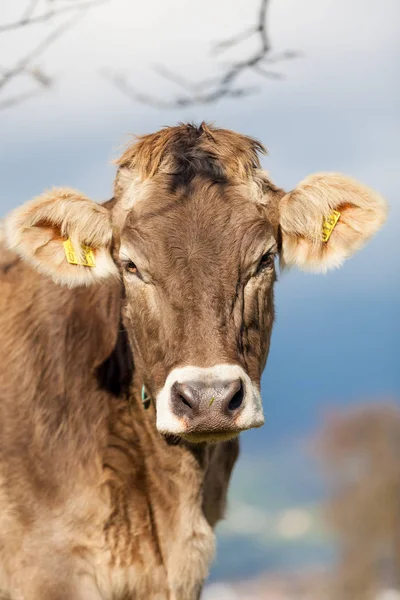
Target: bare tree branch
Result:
[[226, 85], [30, 9], [28, 18], [18, 99], [24, 67]]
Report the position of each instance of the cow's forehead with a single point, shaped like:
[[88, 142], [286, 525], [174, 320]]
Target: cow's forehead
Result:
[[220, 216]]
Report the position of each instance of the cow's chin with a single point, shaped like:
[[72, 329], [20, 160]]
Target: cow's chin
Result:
[[213, 437]]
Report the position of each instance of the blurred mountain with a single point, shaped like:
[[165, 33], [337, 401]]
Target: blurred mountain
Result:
[[273, 520]]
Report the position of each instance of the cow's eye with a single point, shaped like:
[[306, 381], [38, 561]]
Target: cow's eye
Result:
[[266, 261], [131, 268]]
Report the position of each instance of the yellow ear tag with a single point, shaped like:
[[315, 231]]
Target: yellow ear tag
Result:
[[329, 225], [87, 259]]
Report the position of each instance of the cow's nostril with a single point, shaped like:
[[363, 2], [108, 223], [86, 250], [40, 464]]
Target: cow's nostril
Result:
[[237, 399], [184, 401]]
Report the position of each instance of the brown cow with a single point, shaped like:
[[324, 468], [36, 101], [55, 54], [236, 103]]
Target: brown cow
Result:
[[165, 290]]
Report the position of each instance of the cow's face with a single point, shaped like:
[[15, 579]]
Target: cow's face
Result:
[[198, 270], [193, 233]]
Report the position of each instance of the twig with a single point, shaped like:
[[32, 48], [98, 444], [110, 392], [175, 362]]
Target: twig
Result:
[[23, 64], [24, 67], [30, 9], [237, 39], [28, 18], [19, 99]]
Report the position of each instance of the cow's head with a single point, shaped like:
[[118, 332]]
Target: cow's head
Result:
[[193, 232]]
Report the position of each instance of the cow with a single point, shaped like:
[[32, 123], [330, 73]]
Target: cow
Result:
[[133, 338]]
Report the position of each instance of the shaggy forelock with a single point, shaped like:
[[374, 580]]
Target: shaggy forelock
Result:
[[185, 151]]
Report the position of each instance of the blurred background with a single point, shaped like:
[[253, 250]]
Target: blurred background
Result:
[[314, 505]]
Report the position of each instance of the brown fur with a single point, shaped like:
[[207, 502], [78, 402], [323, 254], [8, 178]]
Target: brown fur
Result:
[[94, 503], [187, 150]]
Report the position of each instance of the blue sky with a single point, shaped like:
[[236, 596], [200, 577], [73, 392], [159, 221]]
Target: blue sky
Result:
[[336, 337]]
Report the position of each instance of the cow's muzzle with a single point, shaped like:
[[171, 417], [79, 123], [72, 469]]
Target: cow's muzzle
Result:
[[208, 404]]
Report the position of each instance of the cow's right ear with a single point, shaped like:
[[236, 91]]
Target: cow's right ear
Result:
[[64, 235]]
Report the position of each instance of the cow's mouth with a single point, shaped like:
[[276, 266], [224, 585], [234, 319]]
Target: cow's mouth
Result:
[[213, 437]]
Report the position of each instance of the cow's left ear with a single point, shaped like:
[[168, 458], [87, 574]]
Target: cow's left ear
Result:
[[327, 218], [64, 235]]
